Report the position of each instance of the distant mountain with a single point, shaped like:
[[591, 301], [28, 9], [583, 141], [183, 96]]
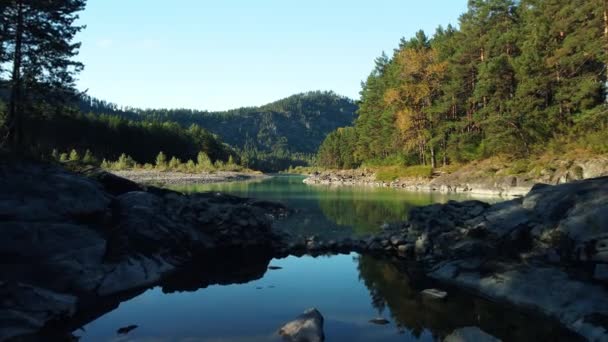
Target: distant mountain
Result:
[[296, 124]]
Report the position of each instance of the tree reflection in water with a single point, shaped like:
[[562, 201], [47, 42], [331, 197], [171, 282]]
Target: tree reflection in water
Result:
[[396, 287]]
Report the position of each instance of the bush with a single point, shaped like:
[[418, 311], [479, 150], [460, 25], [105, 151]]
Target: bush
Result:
[[204, 162], [519, 167], [74, 156], [88, 157], [174, 163], [161, 161]]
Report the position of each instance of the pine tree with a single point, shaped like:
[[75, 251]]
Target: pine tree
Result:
[[37, 42], [161, 161], [74, 156], [88, 157]]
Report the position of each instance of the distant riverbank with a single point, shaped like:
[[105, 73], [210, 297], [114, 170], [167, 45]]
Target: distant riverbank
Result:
[[179, 178], [489, 177]]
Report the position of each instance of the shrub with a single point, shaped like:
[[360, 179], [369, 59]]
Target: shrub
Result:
[[88, 157], [204, 162], [74, 156], [161, 161], [174, 163]]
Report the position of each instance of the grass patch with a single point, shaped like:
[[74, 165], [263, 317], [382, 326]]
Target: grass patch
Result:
[[391, 173], [519, 166]]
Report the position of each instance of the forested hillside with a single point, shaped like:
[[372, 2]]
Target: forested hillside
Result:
[[515, 79], [272, 137]]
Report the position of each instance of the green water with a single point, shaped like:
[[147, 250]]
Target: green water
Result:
[[332, 211], [237, 298]]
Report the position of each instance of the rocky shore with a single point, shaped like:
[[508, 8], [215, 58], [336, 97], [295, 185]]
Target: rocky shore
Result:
[[71, 242], [547, 251], [181, 178], [497, 179], [74, 247]]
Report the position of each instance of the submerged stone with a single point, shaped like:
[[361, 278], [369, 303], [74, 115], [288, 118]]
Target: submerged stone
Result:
[[126, 330], [379, 321], [308, 327]]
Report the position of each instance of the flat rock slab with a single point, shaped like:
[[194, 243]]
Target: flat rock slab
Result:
[[470, 334], [434, 294], [308, 327]]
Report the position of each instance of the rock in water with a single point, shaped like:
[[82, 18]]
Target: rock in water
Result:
[[126, 330], [275, 268], [470, 334], [434, 294], [308, 327], [379, 321]]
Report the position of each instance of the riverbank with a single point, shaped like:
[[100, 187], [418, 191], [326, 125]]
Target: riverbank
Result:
[[74, 247], [547, 251], [182, 178], [487, 178]]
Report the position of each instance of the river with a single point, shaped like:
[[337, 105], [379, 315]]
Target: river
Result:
[[245, 301]]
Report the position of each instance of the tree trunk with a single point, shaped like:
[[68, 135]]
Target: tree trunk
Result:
[[606, 41], [14, 120], [433, 161]]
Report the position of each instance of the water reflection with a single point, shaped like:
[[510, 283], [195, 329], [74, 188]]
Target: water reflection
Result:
[[349, 290], [396, 289], [328, 210]]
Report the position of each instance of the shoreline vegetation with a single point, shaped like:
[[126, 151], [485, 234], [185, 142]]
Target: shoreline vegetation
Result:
[[493, 177], [186, 178], [515, 79]]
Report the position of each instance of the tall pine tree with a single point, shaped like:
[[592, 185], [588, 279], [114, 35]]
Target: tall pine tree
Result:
[[37, 42]]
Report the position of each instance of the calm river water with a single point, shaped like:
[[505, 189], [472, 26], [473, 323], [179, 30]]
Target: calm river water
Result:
[[349, 290]]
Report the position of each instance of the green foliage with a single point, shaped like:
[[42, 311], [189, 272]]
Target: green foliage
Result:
[[161, 161], [174, 163], [88, 157], [63, 157], [124, 162], [190, 166], [517, 78], [36, 44], [204, 163], [271, 137], [109, 136], [74, 156], [519, 167]]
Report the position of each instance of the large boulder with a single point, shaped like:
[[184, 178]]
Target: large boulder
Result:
[[58, 256], [47, 193]]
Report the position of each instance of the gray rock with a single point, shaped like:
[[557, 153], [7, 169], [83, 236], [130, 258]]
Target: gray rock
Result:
[[568, 300], [434, 294], [601, 272], [25, 308], [308, 327], [47, 193], [470, 334], [422, 244], [133, 273]]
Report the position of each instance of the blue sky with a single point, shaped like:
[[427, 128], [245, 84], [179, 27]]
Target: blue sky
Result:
[[224, 54]]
